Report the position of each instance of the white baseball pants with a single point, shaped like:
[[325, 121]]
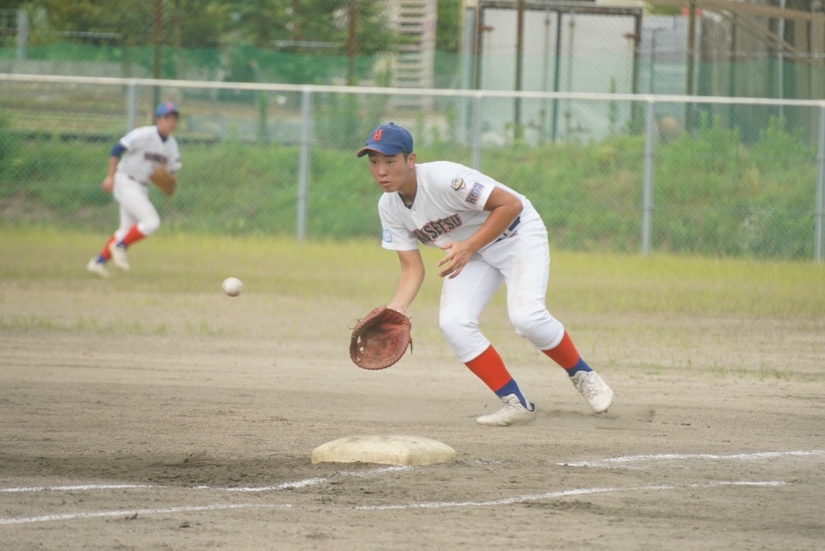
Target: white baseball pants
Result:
[[135, 207], [523, 263]]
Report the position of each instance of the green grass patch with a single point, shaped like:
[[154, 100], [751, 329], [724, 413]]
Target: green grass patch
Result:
[[177, 264]]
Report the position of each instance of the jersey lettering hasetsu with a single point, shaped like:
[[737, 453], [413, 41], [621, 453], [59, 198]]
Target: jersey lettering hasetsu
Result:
[[144, 150], [449, 206]]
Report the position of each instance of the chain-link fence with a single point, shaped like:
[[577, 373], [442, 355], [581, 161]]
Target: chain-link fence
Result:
[[639, 174]]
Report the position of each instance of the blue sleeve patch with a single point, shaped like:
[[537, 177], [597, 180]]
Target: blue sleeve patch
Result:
[[118, 150], [386, 236]]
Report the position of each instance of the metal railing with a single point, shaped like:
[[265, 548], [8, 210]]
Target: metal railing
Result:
[[622, 140]]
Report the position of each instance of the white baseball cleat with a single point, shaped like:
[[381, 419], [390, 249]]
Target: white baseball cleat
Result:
[[513, 413], [97, 268], [119, 256], [594, 390]]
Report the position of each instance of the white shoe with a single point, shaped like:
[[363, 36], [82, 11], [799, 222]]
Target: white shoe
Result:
[[119, 256], [97, 268], [594, 390], [512, 413]]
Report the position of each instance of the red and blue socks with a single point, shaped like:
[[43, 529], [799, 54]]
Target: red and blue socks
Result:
[[490, 368], [105, 255], [566, 355], [133, 235]]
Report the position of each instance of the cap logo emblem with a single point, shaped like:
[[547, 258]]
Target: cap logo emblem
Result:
[[378, 135]]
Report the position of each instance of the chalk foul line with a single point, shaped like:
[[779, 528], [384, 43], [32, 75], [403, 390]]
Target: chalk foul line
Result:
[[134, 512], [430, 505], [614, 461], [560, 494], [426, 505], [283, 486]]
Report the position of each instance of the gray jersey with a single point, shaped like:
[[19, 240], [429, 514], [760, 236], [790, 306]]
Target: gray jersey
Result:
[[449, 206]]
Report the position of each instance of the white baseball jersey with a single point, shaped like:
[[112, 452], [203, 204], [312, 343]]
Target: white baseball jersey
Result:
[[449, 206], [145, 149]]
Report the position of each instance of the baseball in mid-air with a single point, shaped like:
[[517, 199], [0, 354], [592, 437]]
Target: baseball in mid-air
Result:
[[232, 286]]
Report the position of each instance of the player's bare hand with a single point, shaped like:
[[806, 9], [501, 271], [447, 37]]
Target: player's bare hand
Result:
[[458, 255], [108, 184]]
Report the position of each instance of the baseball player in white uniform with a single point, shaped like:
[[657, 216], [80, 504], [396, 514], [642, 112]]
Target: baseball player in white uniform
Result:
[[491, 235], [132, 161]]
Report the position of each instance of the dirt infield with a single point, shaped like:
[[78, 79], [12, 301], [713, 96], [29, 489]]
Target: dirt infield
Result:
[[138, 421]]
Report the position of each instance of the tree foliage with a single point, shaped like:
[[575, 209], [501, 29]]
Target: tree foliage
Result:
[[297, 26], [448, 31]]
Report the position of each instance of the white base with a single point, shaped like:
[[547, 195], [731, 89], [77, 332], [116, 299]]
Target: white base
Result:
[[386, 450]]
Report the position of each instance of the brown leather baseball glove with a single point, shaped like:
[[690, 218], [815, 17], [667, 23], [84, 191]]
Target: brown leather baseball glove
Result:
[[165, 180], [380, 339]]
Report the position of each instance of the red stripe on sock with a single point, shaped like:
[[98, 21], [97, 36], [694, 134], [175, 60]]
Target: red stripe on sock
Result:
[[105, 254], [134, 235], [565, 354], [490, 368]]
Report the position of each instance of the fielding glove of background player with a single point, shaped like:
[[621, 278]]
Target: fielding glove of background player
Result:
[[165, 180], [380, 339]]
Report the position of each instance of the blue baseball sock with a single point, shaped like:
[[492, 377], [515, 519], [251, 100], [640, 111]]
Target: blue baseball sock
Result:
[[512, 388], [580, 366]]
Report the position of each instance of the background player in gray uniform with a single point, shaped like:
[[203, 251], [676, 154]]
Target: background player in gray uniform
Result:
[[491, 234], [132, 160]]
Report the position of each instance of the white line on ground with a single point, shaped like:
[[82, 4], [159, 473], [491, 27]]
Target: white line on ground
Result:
[[282, 486], [431, 505], [563, 493], [361, 474], [609, 462], [76, 488], [314, 481], [87, 487], [97, 514]]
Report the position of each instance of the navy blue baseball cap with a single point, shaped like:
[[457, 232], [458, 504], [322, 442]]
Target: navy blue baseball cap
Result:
[[389, 139], [166, 108]]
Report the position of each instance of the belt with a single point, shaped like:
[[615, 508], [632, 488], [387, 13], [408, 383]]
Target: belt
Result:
[[515, 223], [509, 231], [136, 180]]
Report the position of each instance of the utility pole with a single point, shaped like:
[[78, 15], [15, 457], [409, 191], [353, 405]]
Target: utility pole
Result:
[[158, 42], [691, 46], [517, 132], [351, 119], [352, 42], [22, 33]]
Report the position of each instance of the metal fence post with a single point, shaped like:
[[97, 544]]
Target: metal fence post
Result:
[[477, 124], [22, 33], [820, 188], [647, 206], [131, 106], [467, 69], [303, 169]]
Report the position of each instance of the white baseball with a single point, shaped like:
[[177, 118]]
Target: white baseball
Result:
[[232, 286]]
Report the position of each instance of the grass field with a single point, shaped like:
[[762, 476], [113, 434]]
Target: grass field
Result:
[[623, 284]]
